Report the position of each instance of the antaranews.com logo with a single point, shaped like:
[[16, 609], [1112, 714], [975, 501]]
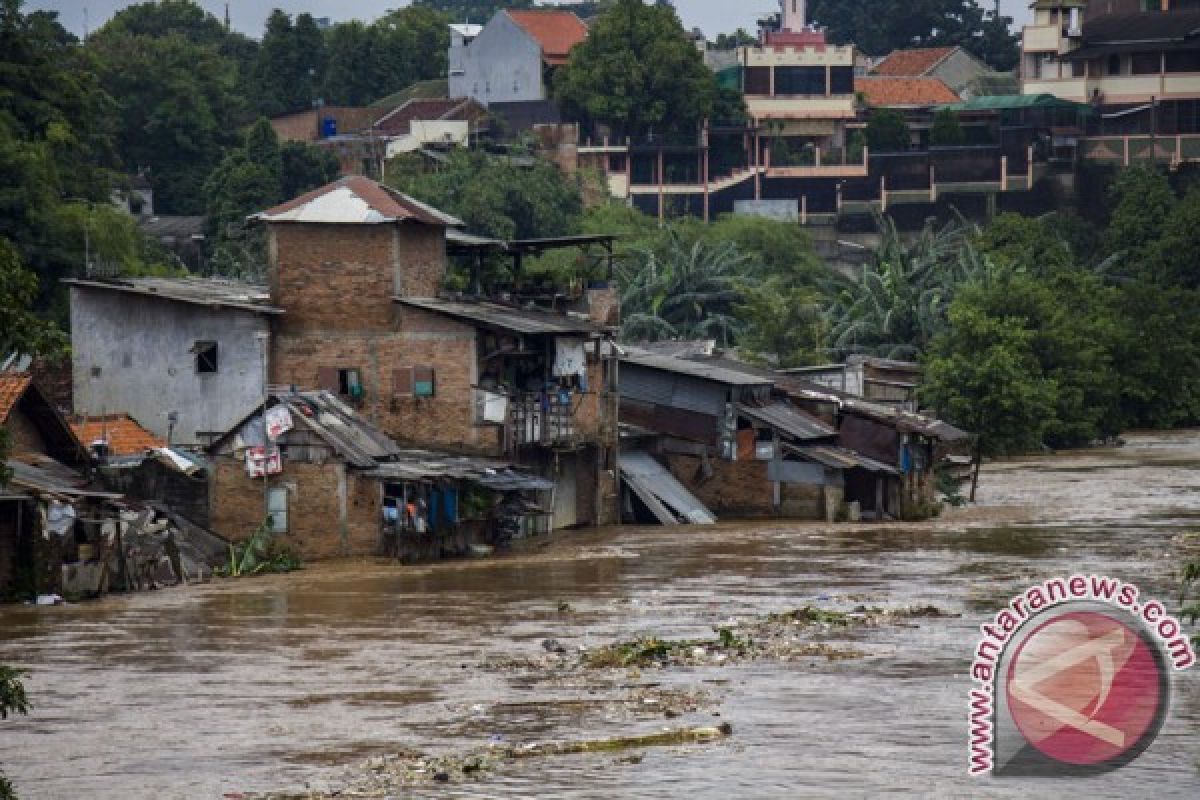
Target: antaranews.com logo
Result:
[[1073, 677]]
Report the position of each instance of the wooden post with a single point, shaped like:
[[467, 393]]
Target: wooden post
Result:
[[932, 183], [1004, 173], [1029, 167], [883, 193], [757, 164], [803, 209], [662, 206], [629, 173], [1126, 141]]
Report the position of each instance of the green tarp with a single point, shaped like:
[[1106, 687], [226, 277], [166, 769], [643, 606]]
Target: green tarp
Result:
[[1017, 102]]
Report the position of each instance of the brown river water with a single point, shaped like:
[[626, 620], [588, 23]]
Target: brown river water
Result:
[[288, 682]]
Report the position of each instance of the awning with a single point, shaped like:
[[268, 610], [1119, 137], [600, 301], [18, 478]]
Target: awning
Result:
[[510, 480], [841, 458], [665, 496]]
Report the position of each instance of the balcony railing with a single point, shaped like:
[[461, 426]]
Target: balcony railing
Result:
[[547, 419]]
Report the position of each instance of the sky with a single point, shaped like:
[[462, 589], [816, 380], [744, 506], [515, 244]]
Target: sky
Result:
[[248, 16]]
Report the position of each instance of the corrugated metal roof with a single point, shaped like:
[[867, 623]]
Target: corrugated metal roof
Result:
[[423, 465], [197, 291], [44, 475], [789, 421], [352, 437], [694, 368], [511, 319], [903, 421], [662, 493], [841, 458], [355, 200]]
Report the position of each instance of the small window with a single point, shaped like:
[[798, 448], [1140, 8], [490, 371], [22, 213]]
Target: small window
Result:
[[414, 382], [277, 510], [350, 383], [1114, 65], [206, 357]]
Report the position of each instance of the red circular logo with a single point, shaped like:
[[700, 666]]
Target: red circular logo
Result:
[[1086, 689]]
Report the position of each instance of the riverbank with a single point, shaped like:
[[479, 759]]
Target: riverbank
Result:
[[296, 683]]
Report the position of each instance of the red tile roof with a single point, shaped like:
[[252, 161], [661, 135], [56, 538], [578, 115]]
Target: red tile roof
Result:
[[913, 63], [556, 31], [359, 200], [12, 389], [882, 92], [124, 435]]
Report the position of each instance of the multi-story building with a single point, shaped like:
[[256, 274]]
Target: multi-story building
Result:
[[1136, 63], [797, 83]]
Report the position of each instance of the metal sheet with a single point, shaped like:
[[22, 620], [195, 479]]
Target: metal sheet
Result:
[[645, 474], [796, 472], [789, 421]]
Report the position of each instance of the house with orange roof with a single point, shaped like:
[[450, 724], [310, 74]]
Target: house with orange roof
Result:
[[118, 434], [903, 93], [953, 66], [33, 424], [512, 58]]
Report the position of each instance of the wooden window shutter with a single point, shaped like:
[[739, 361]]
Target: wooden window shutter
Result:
[[402, 382], [327, 379], [423, 381]]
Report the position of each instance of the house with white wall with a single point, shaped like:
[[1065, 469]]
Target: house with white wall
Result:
[[512, 58]]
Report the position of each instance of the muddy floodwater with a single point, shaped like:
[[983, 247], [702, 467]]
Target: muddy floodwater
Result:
[[294, 682]]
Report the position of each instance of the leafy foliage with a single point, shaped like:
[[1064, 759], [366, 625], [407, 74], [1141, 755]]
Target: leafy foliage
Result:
[[637, 73], [880, 26], [256, 176], [12, 700], [685, 290], [946, 130], [887, 131], [500, 197]]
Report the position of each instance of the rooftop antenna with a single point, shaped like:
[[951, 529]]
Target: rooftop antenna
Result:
[[227, 16], [85, 23]]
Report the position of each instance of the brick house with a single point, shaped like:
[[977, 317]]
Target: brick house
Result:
[[358, 267], [52, 520], [328, 483]]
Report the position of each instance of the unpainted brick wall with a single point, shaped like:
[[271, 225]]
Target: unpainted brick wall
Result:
[[23, 435], [315, 529], [738, 488]]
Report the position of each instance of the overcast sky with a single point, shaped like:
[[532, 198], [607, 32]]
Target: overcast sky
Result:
[[248, 16]]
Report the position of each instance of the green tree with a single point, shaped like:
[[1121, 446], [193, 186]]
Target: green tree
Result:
[[1172, 260], [251, 178], [1141, 203], [498, 197], [784, 324], [731, 41], [946, 130], [290, 64], [178, 108], [13, 700], [899, 302], [887, 131], [880, 26], [637, 73], [685, 289], [478, 12], [983, 375]]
